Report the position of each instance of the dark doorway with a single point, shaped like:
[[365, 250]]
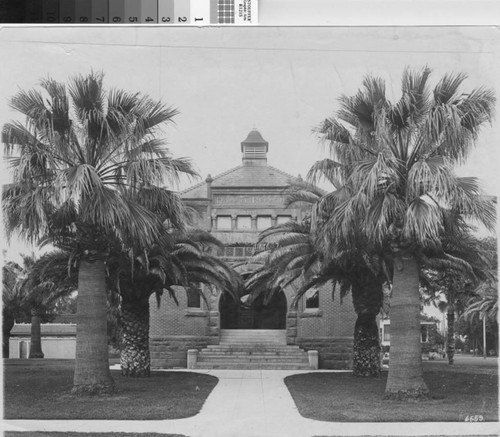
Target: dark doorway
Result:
[[256, 316]]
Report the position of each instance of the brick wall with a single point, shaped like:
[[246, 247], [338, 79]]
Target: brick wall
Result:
[[176, 328], [331, 319], [328, 329], [333, 353]]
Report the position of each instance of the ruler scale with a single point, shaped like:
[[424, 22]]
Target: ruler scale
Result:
[[178, 12], [166, 11], [99, 10], [149, 11], [181, 11], [83, 11], [67, 12]]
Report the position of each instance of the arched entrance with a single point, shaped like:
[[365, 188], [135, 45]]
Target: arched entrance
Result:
[[259, 315]]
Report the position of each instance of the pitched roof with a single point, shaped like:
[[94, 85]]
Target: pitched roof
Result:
[[47, 329], [259, 176], [254, 137]]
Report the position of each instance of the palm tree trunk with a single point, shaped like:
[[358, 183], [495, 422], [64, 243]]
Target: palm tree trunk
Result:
[[450, 341], [135, 359], [366, 350], [367, 299], [92, 374], [36, 336], [406, 379], [7, 325]]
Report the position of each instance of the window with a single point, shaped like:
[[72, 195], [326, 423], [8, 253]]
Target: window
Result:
[[424, 333], [263, 222], [243, 222], [312, 299], [387, 333], [194, 297], [224, 222], [283, 219]]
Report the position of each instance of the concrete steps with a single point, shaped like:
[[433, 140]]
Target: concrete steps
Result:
[[253, 349]]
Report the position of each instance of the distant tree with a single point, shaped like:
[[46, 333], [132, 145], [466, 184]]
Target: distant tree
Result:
[[482, 305], [48, 280], [469, 261], [13, 303]]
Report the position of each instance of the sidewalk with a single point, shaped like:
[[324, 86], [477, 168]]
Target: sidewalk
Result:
[[253, 403]]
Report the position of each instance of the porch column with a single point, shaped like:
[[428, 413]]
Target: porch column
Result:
[[254, 222], [291, 327]]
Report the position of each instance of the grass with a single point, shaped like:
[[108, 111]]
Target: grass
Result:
[[340, 397], [40, 389], [85, 434]]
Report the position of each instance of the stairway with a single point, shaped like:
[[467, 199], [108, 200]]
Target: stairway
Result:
[[253, 349]]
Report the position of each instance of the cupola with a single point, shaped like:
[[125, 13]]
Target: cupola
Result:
[[254, 149]]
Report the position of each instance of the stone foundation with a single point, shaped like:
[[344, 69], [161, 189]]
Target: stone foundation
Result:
[[333, 353], [171, 352]]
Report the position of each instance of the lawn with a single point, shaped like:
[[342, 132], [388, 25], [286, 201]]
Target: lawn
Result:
[[40, 389], [340, 397]]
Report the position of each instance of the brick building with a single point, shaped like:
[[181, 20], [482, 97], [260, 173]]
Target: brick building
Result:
[[235, 206]]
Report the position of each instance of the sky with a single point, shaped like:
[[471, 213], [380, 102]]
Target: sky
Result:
[[226, 81]]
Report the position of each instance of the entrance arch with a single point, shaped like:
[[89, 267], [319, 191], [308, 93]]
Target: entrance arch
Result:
[[258, 315]]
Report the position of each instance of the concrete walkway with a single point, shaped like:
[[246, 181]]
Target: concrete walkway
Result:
[[253, 403]]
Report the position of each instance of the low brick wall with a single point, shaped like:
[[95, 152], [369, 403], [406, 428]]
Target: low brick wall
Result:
[[170, 352], [334, 353]]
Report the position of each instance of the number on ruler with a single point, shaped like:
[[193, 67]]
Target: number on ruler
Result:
[[67, 19], [133, 19], [149, 19], [84, 19], [117, 20], [165, 19], [100, 19], [182, 19]]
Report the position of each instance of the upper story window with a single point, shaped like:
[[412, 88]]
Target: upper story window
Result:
[[312, 299], [263, 222], [194, 296], [243, 222], [424, 333], [387, 333], [283, 219], [223, 222]]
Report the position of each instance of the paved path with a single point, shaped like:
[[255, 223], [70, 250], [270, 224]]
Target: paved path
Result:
[[253, 403]]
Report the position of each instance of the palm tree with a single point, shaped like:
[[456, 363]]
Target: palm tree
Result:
[[482, 307], [90, 170], [468, 261], [13, 303], [362, 272], [179, 259], [402, 185], [290, 257], [47, 281]]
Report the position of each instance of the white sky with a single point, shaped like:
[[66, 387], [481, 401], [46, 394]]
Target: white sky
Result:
[[225, 81]]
